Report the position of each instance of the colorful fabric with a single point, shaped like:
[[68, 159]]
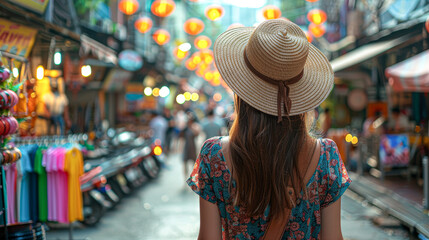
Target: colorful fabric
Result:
[[74, 166], [42, 184], [63, 188], [11, 188], [211, 177], [3, 199], [24, 208], [34, 191]]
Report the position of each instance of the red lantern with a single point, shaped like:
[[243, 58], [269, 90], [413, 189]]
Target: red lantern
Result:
[[317, 30], [312, 0], [163, 8], [427, 24], [143, 24], [193, 26], [161, 36], [317, 16], [271, 12], [128, 7], [179, 54], [202, 42], [214, 12]]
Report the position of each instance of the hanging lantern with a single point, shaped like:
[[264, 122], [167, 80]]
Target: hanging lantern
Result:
[[193, 26], [163, 8], [208, 76], [317, 16], [309, 37], [161, 36], [317, 30], [235, 25], [202, 42], [214, 12], [207, 56], [143, 24], [179, 54], [200, 72], [190, 65], [271, 12], [128, 7], [312, 0], [427, 24]]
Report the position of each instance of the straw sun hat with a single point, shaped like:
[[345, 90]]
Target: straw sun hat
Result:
[[274, 68]]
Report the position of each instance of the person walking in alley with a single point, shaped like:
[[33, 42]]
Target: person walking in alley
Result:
[[270, 179], [210, 126], [189, 134]]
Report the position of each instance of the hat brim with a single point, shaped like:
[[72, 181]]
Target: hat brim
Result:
[[308, 93]]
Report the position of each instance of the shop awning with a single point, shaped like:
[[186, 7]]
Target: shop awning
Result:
[[411, 75], [102, 52], [365, 52]]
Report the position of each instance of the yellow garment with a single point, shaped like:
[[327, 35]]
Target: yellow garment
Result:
[[74, 166]]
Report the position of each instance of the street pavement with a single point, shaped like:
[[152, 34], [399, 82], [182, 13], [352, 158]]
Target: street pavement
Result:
[[167, 209]]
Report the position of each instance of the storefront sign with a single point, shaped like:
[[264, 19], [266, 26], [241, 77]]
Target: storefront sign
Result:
[[130, 60], [15, 38], [38, 6], [394, 150]]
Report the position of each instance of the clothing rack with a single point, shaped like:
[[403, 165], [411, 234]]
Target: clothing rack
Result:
[[45, 140]]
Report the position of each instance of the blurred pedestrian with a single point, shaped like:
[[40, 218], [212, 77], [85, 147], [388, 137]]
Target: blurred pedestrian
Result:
[[169, 134], [211, 126], [189, 134], [270, 179], [159, 126]]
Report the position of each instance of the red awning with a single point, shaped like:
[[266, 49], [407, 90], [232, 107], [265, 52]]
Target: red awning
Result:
[[411, 75]]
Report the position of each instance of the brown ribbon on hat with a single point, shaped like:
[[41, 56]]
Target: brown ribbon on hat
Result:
[[283, 86]]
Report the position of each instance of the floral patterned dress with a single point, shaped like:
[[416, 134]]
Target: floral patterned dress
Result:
[[211, 177]]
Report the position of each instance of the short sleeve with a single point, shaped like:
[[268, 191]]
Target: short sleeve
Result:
[[200, 181], [337, 178]]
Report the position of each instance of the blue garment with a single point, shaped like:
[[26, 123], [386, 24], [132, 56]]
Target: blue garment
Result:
[[34, 191], [24, 213]]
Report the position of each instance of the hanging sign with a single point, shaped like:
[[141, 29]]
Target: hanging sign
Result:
[[130, 60], [38, 6], [15, 38]]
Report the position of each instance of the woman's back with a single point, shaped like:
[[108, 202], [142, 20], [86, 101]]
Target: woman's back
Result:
[[211, 179]]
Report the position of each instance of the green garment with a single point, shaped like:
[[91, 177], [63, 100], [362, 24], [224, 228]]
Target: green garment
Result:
[[42, 184], [3, 205]]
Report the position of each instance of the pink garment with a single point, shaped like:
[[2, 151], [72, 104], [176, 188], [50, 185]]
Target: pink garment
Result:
[[62, 184], [11, 175], [52, 190]]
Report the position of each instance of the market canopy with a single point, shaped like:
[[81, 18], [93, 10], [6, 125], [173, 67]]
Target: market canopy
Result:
[[411, 75], [364, 53]]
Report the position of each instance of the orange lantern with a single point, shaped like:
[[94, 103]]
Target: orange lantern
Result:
[[200, 72], [271, 12], [193, 26], [163, 8], [207, 56], [317, 16], [427, 24], [161, 36], [196, 58], [208, 76], [143, 24], [179, 54], [214, 12], [215, 82], [317, 30], [190, 65], [235, 25], [202, 42], [128, 7], [312, 0], [309, 37]]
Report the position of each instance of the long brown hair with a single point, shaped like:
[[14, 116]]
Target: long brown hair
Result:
[[264, 156]]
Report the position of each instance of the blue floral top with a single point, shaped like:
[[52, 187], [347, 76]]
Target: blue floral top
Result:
[[211, 177]]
